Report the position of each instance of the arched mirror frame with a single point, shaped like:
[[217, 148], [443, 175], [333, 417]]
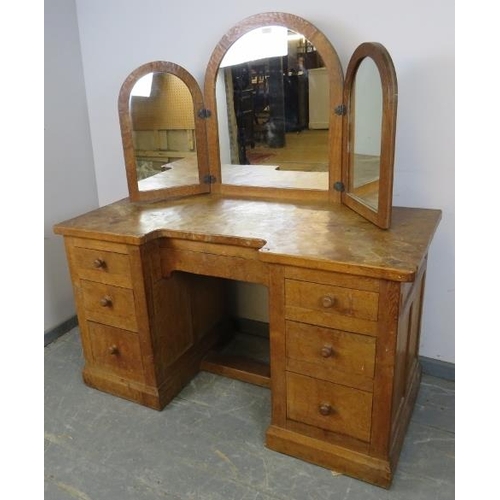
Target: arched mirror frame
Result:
[[127, 137], [336, 81], [378, 53]]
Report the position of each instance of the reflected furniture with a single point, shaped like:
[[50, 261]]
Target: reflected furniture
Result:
[[345, 284]]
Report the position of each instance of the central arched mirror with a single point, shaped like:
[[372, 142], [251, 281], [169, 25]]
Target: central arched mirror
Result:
[[275, 83]]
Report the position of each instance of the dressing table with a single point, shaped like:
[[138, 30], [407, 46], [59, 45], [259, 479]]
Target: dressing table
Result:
[[345, 271]]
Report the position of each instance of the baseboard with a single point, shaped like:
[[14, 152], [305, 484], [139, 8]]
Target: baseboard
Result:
[[438, 368], [430, 366], [54, 333]]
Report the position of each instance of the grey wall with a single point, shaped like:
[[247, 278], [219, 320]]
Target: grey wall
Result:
[[70, 186]]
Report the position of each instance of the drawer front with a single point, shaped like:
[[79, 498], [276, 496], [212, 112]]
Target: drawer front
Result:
[[110, 305], [332, 306], [102, 266], [329, 406], [341, 357], [116, 350]]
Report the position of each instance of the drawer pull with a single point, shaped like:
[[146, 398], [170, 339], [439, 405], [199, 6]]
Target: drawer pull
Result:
[[325, 409], [326, 351], [99, 264], [106, 301], [113, 350], [327, 301]]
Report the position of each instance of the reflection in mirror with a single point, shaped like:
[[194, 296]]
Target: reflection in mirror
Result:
[[163, 132], [366, 104], [273, 111], [369, 130]]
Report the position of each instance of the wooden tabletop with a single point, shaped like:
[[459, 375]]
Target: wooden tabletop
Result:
[[310, 234]]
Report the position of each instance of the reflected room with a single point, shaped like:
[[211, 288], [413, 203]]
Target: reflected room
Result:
[[273, 102]]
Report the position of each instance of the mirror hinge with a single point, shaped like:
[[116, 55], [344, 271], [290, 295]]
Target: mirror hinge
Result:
[[339, 186], [204, 113], [209, 179], [340, 110]]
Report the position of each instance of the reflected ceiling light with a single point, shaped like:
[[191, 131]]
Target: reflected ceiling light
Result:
[[254, 46]]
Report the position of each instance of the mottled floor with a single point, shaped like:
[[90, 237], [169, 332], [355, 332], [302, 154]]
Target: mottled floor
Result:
[[209, 444]]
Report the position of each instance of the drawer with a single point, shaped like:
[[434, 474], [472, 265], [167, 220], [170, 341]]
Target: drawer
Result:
[[329, 406], [341, 357], [102, 265], [332, 306], [116, 350], [108, 304]]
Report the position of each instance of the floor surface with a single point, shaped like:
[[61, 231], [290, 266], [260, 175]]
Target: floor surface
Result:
[[209, 444]]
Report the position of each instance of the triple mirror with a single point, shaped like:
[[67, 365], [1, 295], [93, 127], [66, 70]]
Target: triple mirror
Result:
[[276, 119]]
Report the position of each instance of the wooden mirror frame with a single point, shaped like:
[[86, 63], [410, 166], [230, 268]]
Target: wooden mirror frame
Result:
[[336, 81], [380, 56], [127, 137]]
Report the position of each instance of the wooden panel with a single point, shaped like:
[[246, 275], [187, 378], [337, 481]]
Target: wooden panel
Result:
[[116, 350], [208, 304], [173, 332], [277, 344], [109, 304], [384, 368], [350, 409], [236, 268], [344, 358]]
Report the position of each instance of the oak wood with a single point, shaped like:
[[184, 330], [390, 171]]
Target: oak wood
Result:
[[277, 344], [237, 367], [309, 235], [109, 304], [344, 358], [116, 350], [349, 410], [339, 458]]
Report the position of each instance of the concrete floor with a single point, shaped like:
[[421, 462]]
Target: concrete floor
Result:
[[209, 444]]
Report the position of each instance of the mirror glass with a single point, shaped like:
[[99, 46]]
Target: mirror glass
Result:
[[163, 132], [366, 130], [273, 103]]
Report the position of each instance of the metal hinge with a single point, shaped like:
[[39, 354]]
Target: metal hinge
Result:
[[339, 186], [204, 113], [209, 179], [340, 110]]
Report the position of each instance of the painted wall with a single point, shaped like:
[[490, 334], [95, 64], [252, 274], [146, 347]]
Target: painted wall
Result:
[[70, 187], [119, 35]]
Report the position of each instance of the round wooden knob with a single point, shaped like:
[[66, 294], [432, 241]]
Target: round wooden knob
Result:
[[99, 263], [327, 301], [106, 301], [326, 351], [325, 409], [113, 350]]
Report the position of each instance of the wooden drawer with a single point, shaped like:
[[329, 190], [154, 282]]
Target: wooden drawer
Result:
[[332, 306], [108, 304], [104, 266], [340, 357], [116, 350], [329, 406]]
